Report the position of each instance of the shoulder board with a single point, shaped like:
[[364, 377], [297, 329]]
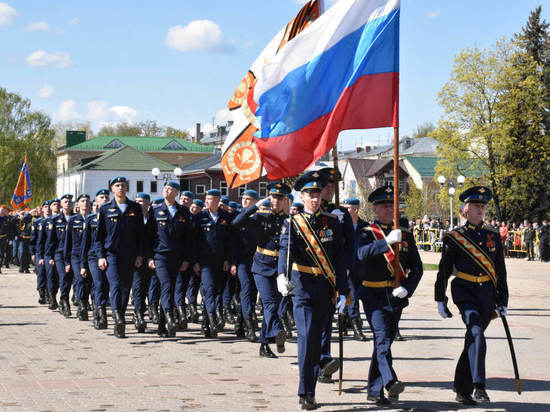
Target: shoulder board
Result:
[[490, 229], [461, 229], [265, 212], [323, 213]]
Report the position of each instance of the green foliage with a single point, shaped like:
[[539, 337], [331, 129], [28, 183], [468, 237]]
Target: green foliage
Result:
[[415, 201], [423, 130], [25, 131], [145, 128]]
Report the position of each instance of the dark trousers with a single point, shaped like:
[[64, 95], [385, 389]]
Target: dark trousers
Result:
[[229, 289], [100, 283], [182, 283], [4, 245], [153, 294], [119, 272], [24, 254], [41, 278], [140, 285], [212, 284], [311, 300], [470, 368], [65, 278], [326, 335], [193, 287], [353, 308], [52, 278], [82, 285], [167, 267], [530, 248], [383, 324], [248, 288], [267, 286]]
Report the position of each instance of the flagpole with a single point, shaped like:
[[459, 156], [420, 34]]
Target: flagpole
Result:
[[336, 180], [396, 196]]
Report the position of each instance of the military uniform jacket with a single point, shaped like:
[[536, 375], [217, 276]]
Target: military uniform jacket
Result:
[[348, 232], [170, 234], [213, 238], [244, 243], [5, 227], [41, 237], [88, 239], [57, 228], [25, 226], [329, 231], [372, 266], [74, 238], [481, 295], [119, 233], [35, 230], [267, 227]]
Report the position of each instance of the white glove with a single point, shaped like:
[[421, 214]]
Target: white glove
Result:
[[400, 292], [341, 304], [339, 213], [282, 285], [394, 237], [501, 310], [441, 309]]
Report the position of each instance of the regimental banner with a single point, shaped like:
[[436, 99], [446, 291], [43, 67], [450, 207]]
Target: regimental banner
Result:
[[240, 159], [22, 193]]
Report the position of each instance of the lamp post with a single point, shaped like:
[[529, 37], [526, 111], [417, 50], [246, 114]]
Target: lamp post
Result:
[[155, 171], [451, 190]]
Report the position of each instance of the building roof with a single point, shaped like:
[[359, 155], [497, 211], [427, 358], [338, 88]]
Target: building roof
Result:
[[125, 158], [141, 143], [210, 163], [422, 146], [425, 166]]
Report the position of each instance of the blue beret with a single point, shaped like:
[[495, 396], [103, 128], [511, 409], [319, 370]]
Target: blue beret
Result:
[[331, 174], [251, 193], [157, 201], [290, 196], [45, 203], [102, 192], [233, 205], [188, 194], [278, 188], [213, 192], [381, 195], [199, 202], [310, 181], [56, 200], [476, 194], [66, 196], [83, 195], [298, 205], [142, 195], [225, 200], [172, 184], [118, 179], [352, 201]]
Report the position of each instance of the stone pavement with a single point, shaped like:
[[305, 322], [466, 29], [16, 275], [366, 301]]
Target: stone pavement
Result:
[[49, 363]]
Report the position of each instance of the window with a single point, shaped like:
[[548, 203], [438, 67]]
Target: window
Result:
[[352, 187], [263, 190], [184, 184], [113, 144], [139, 186], [242, 190], [200, 189], [223, 188], [153, 186]]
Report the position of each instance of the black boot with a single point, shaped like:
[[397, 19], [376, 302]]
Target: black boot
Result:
[[290, 317], [250, 330], [95, 318], [285, 325], [266, 352], [357, 330], [68, 312], [228, 315], [82, 311], [153, 313], [182, 315], [212, 324], [239, 324], [205, 325], [161, 330], [47, 296], [120, 325], [193, 313], [53, 302], [220, 320], [170, 325], [102, 321], [139, 321], [41, 296]]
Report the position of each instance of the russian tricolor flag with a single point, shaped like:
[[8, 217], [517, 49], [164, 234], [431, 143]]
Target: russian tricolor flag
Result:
[[341, 73]]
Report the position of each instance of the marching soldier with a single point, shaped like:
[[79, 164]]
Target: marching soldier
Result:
[[36, 255], [25, 233], [89, 262], [474, 253], [73, 251], [194, 279], [4, 236], [169, 249], [267, 225], [119, 247], [384, 293], [318, 271], [52, 278], [212, 258]]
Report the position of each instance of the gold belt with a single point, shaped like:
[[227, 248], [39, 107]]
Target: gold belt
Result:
[[378, 284], [473, 278], [25, 237], [313, 270], [3, 235], [267, 252]]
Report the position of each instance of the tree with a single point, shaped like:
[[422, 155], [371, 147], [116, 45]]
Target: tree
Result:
[[25, 131], [415, 201], [62, 127], [423, 130], [145, 128]]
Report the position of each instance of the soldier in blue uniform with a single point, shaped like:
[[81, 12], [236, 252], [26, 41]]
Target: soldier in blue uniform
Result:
[[194, 278], [119, 247], [55, 244], [25, 225], [73, 251], [36, 255], [170, 250], [318, 271], [212, 258], [354, 315], [186, 198], [473, 289], [267, 225], [88, 263], [383, 293], [52, 278]]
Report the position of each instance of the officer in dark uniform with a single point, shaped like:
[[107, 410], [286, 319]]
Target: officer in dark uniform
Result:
[[194, 279], [472, 289], [25, 233], [153, 295], [212, 258], [55, 244], [315, 282], [544, 239], [52, 278], [354, 315], [383, 293], [4, 236], [72, 252], [119, 247], [170, 250], [36, 255], [267, 225], [88, 263], [186, 198]]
